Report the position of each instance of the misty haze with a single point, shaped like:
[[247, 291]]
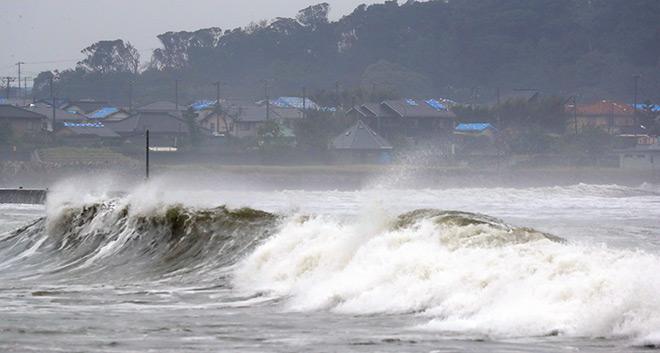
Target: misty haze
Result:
[[270, 176]]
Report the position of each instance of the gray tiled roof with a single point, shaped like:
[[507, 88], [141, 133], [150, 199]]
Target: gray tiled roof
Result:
[[156, 122], [86, 106], [161, 106], [418, 110], [11, 111], [99, 131], [360, 137], [60, 115]]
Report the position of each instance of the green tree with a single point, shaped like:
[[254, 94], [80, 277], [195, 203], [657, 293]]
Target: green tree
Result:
[[315, 132], [110, 56]]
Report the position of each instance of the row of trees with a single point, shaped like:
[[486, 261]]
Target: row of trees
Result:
[[441, 48]]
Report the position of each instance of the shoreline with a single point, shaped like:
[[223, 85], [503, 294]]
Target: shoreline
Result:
[[349, 177]]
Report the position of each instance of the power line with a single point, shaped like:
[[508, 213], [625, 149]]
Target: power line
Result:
[[51, 62]]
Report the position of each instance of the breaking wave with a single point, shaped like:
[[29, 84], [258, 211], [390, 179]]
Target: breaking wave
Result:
[[463, 273], [460, 273], [112, 241]]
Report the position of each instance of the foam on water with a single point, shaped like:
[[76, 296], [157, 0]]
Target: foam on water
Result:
[[359, 253], [470, 279]]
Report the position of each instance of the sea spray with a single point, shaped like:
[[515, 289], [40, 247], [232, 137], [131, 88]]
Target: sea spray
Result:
[[465, 273]]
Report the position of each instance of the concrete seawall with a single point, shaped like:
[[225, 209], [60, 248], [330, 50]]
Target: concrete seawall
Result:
[[24, 196]]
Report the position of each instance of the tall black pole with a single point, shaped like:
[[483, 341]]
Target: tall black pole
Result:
[[304, 107], [19, 76], [217, 94], [146, 154]]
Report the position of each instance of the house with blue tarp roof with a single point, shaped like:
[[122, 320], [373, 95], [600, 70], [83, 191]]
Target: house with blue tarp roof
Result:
[[295, 102], [477, 128], [203, 105], [475, 139], [644, 107], [87, 134], [109, 113]]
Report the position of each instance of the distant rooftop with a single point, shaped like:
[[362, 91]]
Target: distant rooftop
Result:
[[103, 112], [360, 137], [295, 102], [161, 106], [474, 127]]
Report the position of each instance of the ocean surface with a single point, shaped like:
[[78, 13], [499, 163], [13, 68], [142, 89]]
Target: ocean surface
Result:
[[165, 268]]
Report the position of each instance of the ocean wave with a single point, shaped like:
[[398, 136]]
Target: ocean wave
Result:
[[461, 272], [111, 240], [465, 273]]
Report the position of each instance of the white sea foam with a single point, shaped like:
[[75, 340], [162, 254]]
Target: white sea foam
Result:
[[468, 279]]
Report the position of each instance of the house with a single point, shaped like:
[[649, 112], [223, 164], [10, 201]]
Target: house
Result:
[[419, 120], [248, 119], [475, 139], [640, 158], [84, 106], [87, 134], [475, 129], [291, 109], [165, 130], [294, 102], [239, 119], [109, 114], [60, 115], [22, 122], [287, 115], [361, 144], [610, 116]]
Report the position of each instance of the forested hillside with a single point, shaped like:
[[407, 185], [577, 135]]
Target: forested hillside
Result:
[[461, 49]]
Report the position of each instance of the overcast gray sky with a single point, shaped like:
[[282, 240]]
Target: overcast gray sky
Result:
[[54, 31]]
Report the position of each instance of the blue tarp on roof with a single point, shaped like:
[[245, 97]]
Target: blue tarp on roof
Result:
[[411, 102], [474, 127], [103, 112], [203, 104], [436, 105], [295, 102], [642, 107], [83, 125]]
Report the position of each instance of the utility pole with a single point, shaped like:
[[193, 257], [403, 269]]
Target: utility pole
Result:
[[636, 78], [24, 89], [267, 96], [176, 94], [146, 154], [304, 107], [19, 76], [575, 108], [52, 100], [9, 80], [217, 94]]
